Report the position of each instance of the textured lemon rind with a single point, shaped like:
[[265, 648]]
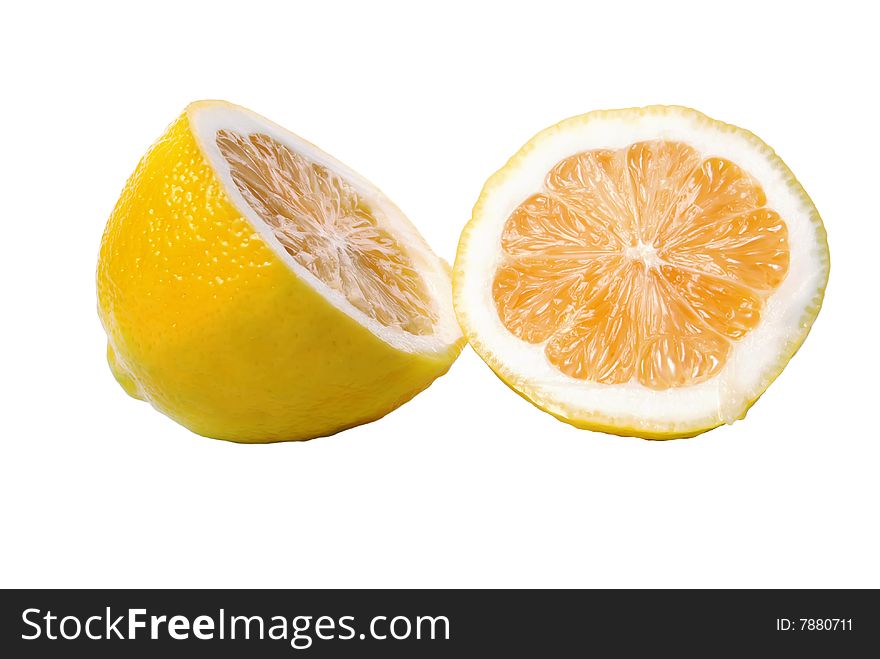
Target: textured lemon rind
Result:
[[208, 325]]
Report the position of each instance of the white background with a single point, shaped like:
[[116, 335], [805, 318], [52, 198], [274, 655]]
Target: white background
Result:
[[467, 485]]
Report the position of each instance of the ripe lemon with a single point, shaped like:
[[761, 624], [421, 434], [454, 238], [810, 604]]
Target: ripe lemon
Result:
[[644, 272], [255, 289]]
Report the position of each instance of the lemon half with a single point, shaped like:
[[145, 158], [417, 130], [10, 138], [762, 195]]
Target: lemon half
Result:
[[255, 289], [643, 272]]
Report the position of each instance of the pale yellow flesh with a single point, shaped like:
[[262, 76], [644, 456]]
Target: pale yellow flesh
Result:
[[329, 229]]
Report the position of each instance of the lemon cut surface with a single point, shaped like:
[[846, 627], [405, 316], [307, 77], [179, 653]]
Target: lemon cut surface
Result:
[[647, 272]]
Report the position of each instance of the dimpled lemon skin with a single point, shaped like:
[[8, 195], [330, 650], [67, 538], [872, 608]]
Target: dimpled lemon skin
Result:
[[206, 323]]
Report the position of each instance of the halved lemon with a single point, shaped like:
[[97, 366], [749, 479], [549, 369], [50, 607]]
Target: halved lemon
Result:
[[643, 272], [253, 288]]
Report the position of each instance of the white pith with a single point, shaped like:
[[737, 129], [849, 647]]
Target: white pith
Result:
[[208, 117], [754, 360]]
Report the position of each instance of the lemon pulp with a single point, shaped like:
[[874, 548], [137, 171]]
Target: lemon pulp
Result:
[[328, 229], [641, 263]]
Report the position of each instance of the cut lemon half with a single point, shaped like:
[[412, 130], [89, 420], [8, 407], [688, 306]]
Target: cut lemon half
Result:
[[643, 272], [254, 288]]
